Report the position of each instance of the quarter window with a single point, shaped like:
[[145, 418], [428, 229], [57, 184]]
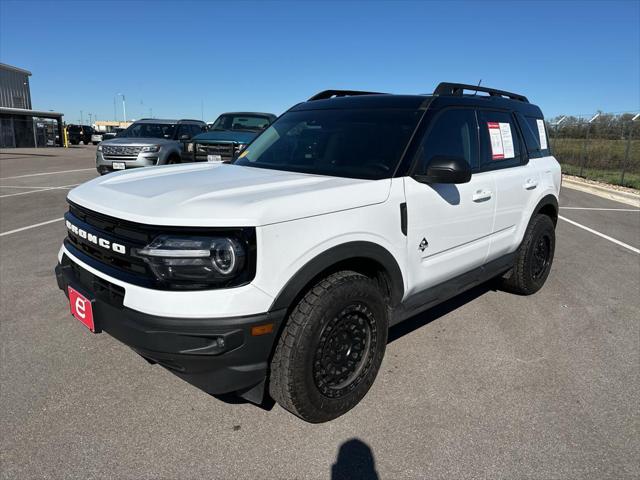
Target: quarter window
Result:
[[454, 133]]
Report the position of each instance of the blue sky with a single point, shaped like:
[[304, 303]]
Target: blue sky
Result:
[[173, 58]]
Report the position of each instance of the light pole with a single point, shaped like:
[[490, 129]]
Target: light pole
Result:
[[557, 124], [81, 118], [90, 115], [124, 107], [626, 153], [586, 144]]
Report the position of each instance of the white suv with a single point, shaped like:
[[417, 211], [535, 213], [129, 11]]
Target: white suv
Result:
[[282, 272]]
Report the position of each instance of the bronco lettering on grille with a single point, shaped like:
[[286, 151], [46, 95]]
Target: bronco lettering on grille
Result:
[[91, 238]]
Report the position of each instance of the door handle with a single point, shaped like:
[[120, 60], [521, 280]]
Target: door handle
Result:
[[530, 184], [482, 195]]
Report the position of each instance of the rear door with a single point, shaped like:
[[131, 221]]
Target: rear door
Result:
[[504, 156], [449, 226]]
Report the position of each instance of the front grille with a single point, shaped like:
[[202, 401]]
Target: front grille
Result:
[[225, 150], [115, 231], [120, 152], [90, 226]]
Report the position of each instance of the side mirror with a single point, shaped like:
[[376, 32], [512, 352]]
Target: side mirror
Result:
[[185, 137], [446, 170]]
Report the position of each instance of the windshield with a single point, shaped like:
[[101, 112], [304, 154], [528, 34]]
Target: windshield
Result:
[[344, 143], [240, 122], [149, 130]]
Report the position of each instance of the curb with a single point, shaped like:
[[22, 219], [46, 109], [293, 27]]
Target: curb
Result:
[[602, 191]]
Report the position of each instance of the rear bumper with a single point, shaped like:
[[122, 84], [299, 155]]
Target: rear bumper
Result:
[[217, 355]]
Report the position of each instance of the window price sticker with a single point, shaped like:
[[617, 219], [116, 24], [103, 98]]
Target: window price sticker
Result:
[[501, 140], [542, 133]]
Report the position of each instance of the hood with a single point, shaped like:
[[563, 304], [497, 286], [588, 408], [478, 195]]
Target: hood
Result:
[[138, 141], [222, 195], [226, 136]]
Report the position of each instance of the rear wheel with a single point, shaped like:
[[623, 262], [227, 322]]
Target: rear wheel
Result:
[[533, 258], [331, 348]]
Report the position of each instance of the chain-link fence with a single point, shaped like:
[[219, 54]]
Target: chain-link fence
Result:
[[603, 146]]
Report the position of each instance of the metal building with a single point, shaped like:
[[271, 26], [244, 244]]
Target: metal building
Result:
[[20, 126]]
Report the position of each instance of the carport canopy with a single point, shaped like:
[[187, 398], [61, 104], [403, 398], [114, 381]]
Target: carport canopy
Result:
[[21, 127]]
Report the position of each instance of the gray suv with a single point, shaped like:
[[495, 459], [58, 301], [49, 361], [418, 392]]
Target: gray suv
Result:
[[145, 143]]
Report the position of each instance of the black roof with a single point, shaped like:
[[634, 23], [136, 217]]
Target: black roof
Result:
[[249, 114], [384, 100], [446, 94], [167, 121]]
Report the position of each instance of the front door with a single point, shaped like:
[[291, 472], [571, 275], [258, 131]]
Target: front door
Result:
[[449, 226]]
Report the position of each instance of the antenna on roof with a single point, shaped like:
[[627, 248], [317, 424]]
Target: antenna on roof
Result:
[[476, 92]]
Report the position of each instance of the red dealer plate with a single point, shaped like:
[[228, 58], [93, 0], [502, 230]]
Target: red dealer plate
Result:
[[81, 308]]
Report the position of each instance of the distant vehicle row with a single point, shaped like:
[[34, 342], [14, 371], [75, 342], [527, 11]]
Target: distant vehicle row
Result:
[[150, 142]]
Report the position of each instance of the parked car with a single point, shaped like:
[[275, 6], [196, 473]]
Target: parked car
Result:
[[281, 273], [79, 133], [98, 136], [145, 143], [227, 136]]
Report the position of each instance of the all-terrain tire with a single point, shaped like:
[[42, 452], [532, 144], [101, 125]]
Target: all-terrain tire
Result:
[[533, 258], [340, 323]]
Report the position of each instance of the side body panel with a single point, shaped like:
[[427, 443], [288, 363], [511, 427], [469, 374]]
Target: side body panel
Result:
[[456, 221], [288, 246]]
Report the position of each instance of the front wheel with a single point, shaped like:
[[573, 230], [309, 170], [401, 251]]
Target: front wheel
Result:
[[331, 348], [533, 258]]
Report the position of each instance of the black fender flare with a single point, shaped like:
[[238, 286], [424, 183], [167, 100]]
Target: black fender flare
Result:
[[545, 202], [332, 256]]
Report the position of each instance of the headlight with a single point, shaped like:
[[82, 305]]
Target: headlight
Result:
[[239, 147], [190, 147], [151, 148], [191, 259], [99, 148]]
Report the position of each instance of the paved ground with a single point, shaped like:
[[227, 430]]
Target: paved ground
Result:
[[489, 385]]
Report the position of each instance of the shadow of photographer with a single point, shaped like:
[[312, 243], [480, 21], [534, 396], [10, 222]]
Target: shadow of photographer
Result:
[[355, 462]]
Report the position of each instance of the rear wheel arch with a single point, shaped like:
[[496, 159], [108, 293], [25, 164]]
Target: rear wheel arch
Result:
[[548, 206], [366, 258]]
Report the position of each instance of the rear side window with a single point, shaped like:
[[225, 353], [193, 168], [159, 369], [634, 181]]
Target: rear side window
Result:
[[500, 141], [454, 133]]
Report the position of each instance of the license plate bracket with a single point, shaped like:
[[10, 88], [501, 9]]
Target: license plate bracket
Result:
[[82, 309], [118, 165]]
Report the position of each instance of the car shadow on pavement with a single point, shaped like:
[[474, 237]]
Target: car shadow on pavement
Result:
[[355, 462], [424, 318]]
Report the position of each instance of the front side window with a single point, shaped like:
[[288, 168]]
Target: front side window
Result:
[[454, 133], [366, 143], [149, 130]]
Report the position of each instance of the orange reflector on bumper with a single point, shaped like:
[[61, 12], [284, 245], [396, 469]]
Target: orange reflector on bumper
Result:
[[262, 329]]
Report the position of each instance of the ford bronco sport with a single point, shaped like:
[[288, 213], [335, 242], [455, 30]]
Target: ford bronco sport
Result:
[[281, 273], [147, 142]]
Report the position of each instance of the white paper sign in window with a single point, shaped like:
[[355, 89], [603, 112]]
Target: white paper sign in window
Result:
[[501, 140], [542, 134]]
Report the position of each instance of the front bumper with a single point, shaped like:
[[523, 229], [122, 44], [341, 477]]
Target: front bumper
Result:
[[146, 159], [217, 355]]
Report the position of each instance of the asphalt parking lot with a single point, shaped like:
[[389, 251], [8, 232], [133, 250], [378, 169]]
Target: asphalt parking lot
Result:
[[488, 385]]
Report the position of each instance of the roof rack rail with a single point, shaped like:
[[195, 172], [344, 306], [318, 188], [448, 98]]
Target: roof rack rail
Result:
[[457, 89], [339, 93]]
